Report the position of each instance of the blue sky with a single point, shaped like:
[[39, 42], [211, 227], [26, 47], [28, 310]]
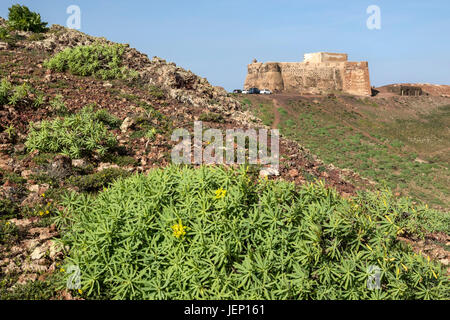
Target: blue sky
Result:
[[216, 39]]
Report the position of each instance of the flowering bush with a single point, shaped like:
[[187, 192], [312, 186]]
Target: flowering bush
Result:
[[212, 233]]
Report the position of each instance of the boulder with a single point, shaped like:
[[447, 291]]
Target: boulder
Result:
[[269, 172], [126, 124]]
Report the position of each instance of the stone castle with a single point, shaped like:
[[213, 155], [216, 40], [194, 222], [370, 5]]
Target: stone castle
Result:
[[319, 73]]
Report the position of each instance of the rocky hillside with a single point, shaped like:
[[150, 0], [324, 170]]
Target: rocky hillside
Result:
[[181, 85]]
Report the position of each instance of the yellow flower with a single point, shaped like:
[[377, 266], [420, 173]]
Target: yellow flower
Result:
[[80, 291], [43, 195], [179, 230], [41, 213], [220, 193], [47, 212], [62, 270]]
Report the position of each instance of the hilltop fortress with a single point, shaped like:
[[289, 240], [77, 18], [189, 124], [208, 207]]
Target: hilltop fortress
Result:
[[319, 73]]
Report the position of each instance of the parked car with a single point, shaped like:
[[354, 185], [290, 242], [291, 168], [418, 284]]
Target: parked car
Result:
[[253, 91], [265, 91], [237, 91], [245, 91]]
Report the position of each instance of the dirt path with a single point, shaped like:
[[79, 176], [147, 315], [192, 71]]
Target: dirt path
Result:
[[276, 113]]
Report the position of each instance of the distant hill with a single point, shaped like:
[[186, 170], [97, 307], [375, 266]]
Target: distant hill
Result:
[[437, 90]]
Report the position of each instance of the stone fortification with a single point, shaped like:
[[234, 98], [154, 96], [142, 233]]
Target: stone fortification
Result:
[[319, 73]]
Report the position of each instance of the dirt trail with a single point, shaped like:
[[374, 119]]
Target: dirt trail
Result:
[[276, 113]]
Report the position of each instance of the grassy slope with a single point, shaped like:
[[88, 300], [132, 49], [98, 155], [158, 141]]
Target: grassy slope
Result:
[[380, 138]]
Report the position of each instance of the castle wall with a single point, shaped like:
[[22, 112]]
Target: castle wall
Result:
[[320, 73], [356, 78], [310, 77], [265, 76]]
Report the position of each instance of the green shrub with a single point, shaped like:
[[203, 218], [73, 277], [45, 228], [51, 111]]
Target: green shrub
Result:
[[124, 160], [20, 93], [36, 37], [15, 95], [76, 135], [99, 180], [13, 178], [8, 232], [107, 118], [5, 91], [58, 106], [144, 127], [211, 117], [211, 233], [9, 36], [4, 34], [39, 101], [21, 18], [31, 290], [101, 61], [156, 92], [8, 208]]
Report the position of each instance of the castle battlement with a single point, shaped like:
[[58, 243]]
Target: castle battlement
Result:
[[320, 72], [320, 57]]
